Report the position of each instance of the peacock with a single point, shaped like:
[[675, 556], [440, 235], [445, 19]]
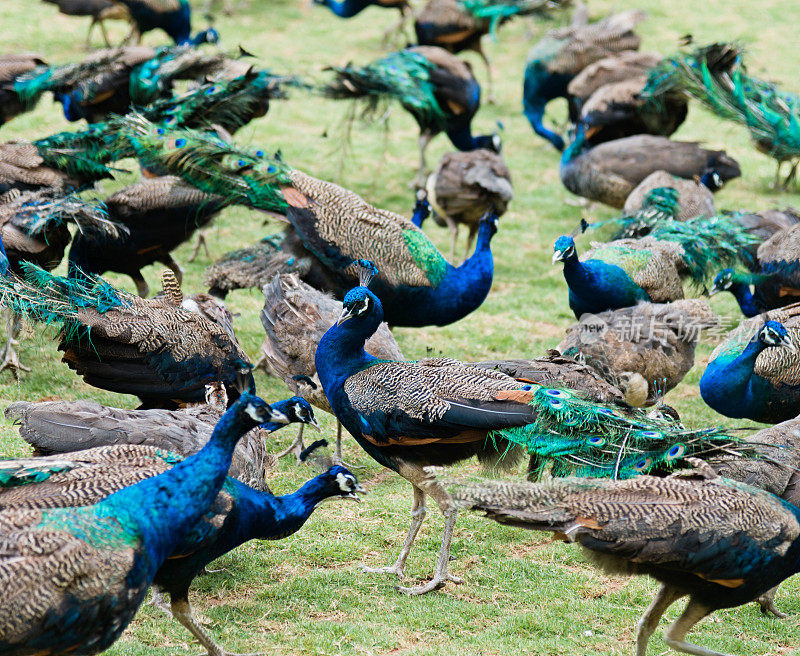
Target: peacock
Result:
[[350, 8], [110, 81], [438, 411], [159, 214], [717, 78], [172, 16], [12, 67], [646, 349], [75, 576], [434, 86], [59, 427], [694, 198], [563, 53], [461, 189], [776, 280], [163, 350], [336, 226], [719, 542], [755, 372], [617, 110], [458, 25], [295, 316], [609, 171], [625, 272], [34, 228], [99, 10]]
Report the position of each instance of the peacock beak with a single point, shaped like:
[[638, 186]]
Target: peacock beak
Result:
[[714, 290], [277, 417], [347, 313], [313, 422], [558, 256], [786, 342], [353, 496]]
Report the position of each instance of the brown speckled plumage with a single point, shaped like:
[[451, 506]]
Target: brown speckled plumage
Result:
[[295, 316], [694, 199], [609, 172], [656, 341], [615, 68], [465, 186], [12, 66], [22, 167]]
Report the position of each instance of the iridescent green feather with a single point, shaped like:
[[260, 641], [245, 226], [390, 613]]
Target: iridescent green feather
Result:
[[499, 11], [403, 76], [426, 256], [582, 438]]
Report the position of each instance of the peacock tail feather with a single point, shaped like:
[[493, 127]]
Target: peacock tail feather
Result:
[[35, 212], [499, 11], [404, 76], [50, 299], [715, 76], [83, 154], [582, 438], [208, 163]]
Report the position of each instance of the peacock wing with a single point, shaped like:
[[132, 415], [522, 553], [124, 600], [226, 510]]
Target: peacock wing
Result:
[[780, 365], [339, 227], [433, 400]]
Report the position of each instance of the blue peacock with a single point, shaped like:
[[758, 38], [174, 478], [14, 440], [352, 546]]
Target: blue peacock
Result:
[[438, 411], [419, 286], [625, 272], [239, 513], [555, 60], [75, 576], [755, 372], [435, 87], [172, 16]]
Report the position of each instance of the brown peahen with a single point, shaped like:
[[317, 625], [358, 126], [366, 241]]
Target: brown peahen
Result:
[[563, 53], [159, 214], [646, 349], [99, 10], [157, 349], [694, 198], [755, 372], [609, 171], [12, 67], [59, 427], [720, 543], [295, 316], [463, 187]]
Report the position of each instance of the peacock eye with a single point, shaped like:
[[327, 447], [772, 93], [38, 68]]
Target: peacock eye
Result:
[[180, 143], [160, 131], [259, 153]]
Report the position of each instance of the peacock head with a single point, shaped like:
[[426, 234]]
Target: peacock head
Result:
[[299, 411], [341, 482], [252, 411], [563, 249], [723, 281], [774, 333], [362, 305]]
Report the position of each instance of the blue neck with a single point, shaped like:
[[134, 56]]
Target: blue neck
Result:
[[746, 299], [70, 105], [461, 138], [166, 506], [540, 87], [596, 286], [731, 388], [421, 212], [536, 118], [266, 517], [280, 406], [346, 8], [575, 148]]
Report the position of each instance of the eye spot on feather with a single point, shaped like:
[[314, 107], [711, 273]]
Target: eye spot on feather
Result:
[[160, 132], [676, 452], [596, 441], [259, 153], [651, 434], [607, 411], [643, 465], [555, 403], [180, 143], [558, 394]]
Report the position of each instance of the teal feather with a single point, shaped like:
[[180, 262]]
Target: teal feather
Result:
[[404, 76], [583, 438], [497, 12]]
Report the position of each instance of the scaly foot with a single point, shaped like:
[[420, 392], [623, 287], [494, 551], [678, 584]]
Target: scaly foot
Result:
[[395, 569], [436, 583], [11, 361]]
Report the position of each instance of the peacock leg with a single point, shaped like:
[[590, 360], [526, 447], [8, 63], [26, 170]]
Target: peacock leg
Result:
[[173, 266], [88, 45], [441, 576], [767, 603], [159, 600], [676, 632], [473, 231], [792, 175], [201, 241], [142, 288], [10, 356], [295, 447], [422, 173], [648, 622], [418, 512], [398, 28], [182, 611]]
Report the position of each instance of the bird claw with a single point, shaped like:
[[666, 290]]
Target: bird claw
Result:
[[437, 583], [159, 600], [11, 361], [391, 569], [767, 605]]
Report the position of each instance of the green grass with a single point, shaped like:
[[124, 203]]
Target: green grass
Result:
[[306, 594]]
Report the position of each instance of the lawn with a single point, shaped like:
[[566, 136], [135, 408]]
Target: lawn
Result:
[[306, 594]]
